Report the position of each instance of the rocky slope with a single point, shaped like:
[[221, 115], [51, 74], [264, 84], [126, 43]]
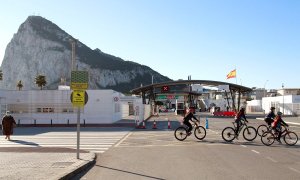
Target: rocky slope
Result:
[[41, 47]]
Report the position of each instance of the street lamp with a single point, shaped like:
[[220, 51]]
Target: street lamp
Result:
[[282, 98], [265, 88]]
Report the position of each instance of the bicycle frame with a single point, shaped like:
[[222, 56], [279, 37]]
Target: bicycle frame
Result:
[[283, 132], [243, 123], [194, 124]]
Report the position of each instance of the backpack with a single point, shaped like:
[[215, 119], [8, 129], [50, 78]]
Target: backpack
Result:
[[276, 122]]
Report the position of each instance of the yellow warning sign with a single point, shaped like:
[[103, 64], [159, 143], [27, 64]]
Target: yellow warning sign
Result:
[[79, 86], [78, 98]]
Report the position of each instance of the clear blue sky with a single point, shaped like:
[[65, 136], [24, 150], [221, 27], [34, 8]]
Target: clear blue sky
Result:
[[204, 39]]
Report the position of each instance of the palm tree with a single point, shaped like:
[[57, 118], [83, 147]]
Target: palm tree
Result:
[[40, 80], [20, 85]]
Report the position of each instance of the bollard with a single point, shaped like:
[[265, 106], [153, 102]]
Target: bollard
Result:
[[169, 124], [51, 122], [144, 125], [68, 121], [137, 124], [18, 122], [35, 122], [206, 123], [83, 122], [154, 125]]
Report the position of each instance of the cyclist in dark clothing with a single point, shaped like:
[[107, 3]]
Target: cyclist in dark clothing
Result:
[[269, 119], [241, 115], [189, 116]]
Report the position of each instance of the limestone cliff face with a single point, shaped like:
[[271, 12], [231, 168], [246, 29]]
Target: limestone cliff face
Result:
[[41, 47]]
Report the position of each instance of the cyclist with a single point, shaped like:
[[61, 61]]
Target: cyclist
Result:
[[241, 115], [276, 125], [269, 119], [186, 120]]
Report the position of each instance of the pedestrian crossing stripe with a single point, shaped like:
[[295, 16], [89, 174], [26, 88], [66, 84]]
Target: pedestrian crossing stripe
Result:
[[97, 142]]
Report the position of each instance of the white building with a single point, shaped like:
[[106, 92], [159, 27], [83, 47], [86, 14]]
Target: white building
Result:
[[46, 106], [288, 104]]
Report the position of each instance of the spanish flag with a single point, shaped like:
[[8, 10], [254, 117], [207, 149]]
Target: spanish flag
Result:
[[232, 74]]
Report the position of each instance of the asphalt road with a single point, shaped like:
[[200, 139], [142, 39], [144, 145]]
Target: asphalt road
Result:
[[156, 154]]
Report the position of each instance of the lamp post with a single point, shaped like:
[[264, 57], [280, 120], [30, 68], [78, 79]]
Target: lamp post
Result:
[[282, 98], [265, 88]]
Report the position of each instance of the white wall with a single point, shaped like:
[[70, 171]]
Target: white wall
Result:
[[287, 104], [102, 106], [147, 111], [254, 106]]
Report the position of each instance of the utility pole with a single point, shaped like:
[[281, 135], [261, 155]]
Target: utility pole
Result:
[[73, 56], [265, 88], [282, 98], [152, 79], [73, 68]]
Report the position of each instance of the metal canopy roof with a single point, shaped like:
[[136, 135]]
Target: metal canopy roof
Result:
[[234, 87]]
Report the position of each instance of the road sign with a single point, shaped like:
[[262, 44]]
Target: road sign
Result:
[[165, 89], [116, 99], [79, 98], [79, 80]]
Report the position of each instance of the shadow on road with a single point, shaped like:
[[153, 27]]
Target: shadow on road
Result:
[[25, 143], [119, 170]]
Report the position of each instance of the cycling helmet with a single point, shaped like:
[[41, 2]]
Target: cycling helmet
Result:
[[272, 108], [279, 113]]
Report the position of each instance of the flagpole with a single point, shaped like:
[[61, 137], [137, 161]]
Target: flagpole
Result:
[[235, 76]]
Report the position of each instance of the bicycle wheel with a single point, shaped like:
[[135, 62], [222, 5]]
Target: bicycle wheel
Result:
[[262, 129], [228, 134], [290, 138], [200, 132], [180, 133], [267, 138], [249, 133]]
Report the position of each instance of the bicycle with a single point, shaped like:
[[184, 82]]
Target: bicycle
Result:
[[289, 137], [261, 129], [181, 132], [229, 133]]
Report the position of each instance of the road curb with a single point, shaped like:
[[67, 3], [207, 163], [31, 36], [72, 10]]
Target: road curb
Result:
[[82, 168]]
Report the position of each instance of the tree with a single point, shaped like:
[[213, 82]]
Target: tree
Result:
[[20, 85], [40, 80], [1, 75]]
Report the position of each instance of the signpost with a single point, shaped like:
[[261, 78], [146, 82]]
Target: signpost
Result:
[[79, 83]]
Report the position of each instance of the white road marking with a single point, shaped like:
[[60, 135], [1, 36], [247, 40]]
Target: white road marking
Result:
[[95, 148], [213, 131], [123, 139], [217, 144], [244, 146], [271, 159], [255, 151], [100, 152], [97, 142], [295, 170]]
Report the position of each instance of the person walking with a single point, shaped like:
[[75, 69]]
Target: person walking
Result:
[[8, 123]]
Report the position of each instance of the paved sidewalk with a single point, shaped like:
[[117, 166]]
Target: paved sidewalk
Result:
[[42, 163]]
